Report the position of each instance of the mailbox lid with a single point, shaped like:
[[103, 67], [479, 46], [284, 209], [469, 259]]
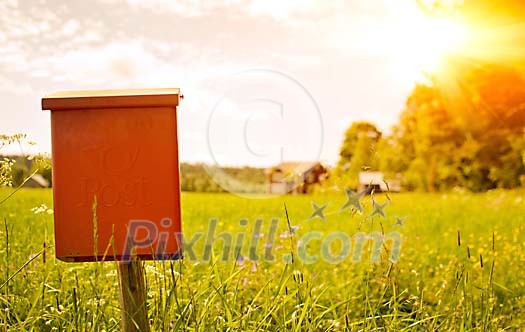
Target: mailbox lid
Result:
[[97, 99]]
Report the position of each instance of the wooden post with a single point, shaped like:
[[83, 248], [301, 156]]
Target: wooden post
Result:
[[133, 297]]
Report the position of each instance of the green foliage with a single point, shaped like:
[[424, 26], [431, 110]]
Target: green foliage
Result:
[[19, 168], [193, 177], [20, 171], [15, 170], [357, 154], [7, 163], [355, 140], [470, 137], [6, 174], [196, 177], [6, 140], [425, 142]]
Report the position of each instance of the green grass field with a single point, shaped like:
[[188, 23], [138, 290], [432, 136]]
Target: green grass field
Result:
[[434, 285]]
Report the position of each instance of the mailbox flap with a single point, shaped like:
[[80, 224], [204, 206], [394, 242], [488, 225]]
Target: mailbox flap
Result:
[[75, 100]]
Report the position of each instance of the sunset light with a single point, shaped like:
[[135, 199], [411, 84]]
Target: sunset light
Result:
[[437, 38], [423, 42], [262, 165]]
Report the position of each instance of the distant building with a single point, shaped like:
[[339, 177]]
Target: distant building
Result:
[[37, 181], [376, 181], [294, 177]]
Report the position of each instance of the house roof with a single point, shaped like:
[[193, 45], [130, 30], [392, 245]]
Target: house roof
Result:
[[371, 177], [40, 180], [295, 167]]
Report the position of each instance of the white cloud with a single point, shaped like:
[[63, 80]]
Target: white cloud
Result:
[[16, 88], [276, 9], [187, 8], [115, 63], [280, 9], [70, 28]]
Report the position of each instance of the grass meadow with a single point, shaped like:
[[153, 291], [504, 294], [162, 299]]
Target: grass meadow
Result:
[[461, 268]]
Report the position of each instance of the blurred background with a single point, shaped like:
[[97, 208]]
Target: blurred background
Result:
[[424, 95]]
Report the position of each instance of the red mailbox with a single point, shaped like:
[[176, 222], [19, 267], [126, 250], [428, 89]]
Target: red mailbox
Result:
[[115, 174]]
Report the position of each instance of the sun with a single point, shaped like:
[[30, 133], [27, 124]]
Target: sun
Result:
[[420, 43], [434, 40]]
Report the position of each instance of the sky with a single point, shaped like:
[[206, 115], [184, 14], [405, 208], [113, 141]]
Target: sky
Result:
[[263, 81]]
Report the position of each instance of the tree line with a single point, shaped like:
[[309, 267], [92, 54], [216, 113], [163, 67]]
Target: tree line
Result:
[[466, 132], [193, 177]]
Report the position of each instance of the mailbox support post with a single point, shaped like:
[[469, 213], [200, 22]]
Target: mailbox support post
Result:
[[133, 296]]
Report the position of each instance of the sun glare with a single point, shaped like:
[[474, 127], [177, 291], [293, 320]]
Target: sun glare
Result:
[[422, 42], [439, 38]]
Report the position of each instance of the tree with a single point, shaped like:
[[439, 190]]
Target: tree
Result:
[[357, 130], [424, 140], [358, 153], [471, 138]]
